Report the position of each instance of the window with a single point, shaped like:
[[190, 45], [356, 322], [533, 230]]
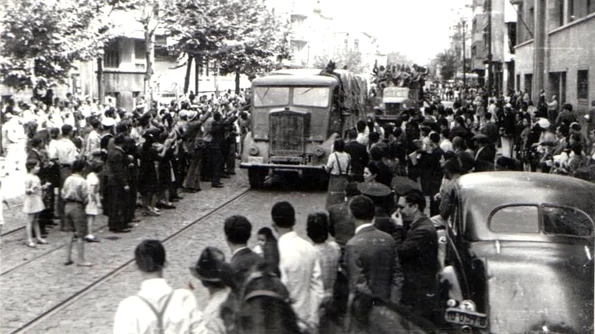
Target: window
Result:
[[311, 96], [561, 12], [139, 49], [473, 51], [569, 221], [571, 16], [356, 45], [590, 6], [271, 96], [515, 219], [582, 84], [529, 83], [111, 57]]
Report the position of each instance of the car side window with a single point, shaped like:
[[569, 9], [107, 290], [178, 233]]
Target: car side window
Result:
[[565, 220], [515, 219]]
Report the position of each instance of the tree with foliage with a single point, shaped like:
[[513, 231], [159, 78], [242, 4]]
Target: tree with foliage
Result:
[[258, 47], [242, 36], [448, 64], [42, 40]]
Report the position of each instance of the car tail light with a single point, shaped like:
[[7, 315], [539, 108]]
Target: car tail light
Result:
[[468, 305]]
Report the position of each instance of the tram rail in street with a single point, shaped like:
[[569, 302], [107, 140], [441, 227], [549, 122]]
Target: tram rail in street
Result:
[[79, 294]]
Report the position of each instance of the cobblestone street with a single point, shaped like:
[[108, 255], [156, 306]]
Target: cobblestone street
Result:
[[34, 281]]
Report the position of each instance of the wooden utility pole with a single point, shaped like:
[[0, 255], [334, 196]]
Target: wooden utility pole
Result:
[[489, 60]]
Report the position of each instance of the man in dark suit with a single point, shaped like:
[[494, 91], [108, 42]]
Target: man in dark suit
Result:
[[490, 129], [373, 266], [342, 224], [117, 186], [359, 156], [237, 233], [485, 155], [417, 247]]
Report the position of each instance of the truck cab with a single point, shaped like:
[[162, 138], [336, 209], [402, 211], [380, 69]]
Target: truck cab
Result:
[[395, 100], [296, 115]]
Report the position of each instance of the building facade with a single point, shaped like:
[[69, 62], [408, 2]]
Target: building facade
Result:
[[555, 50], [493, 33]]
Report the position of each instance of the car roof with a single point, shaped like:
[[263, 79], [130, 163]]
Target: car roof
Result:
[[480, 193]]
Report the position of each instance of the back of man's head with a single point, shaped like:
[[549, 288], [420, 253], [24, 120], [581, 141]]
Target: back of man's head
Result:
[[283, 214], [150, 256], [362, 208], [352, 134], [237, 229]]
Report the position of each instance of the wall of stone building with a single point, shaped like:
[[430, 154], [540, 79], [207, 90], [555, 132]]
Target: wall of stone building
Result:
[[523, 64], [572, 48]]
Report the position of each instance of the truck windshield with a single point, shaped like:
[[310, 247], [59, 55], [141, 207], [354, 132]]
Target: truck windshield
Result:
[[271, 96], [311, 96]]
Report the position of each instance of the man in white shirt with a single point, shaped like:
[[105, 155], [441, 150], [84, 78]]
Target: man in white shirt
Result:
[[13, 142], [157, 307], [299, 267], [64, 153], [445, 143]]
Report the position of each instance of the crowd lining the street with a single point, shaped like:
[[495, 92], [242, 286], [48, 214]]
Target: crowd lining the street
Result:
[[384, 247], [382, 177], [126, 159]]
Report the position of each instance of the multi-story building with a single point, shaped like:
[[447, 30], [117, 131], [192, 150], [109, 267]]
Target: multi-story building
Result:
[[555, 50], [493, 32]]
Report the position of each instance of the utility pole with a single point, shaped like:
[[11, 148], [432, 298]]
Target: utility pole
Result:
[[489, 60], [464, 57]]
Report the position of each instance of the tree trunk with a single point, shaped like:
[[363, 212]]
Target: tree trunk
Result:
[[100, 88], [150, 57], [237, 82], [197, 61], [187, 77]]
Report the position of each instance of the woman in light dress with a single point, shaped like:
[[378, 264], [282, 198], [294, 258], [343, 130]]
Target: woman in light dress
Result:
[[33, 202]]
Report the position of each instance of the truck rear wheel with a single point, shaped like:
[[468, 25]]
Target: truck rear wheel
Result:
[[256, 177]]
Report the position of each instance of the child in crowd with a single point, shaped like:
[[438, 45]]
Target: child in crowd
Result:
[[33, 203], [263, 235], [93, 207], [75, 195]]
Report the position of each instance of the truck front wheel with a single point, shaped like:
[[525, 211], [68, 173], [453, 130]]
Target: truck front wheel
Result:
[[256, 177]]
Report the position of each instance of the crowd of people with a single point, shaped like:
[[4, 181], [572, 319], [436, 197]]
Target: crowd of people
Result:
[[386, 181], [291, 285], [142, 158]]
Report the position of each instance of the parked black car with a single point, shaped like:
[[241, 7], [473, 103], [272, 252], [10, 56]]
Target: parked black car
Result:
[[517, 254]]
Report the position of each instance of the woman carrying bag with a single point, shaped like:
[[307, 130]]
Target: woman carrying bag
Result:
[[338, 166]]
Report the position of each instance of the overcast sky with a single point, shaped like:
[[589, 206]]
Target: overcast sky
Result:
[[419, 29]]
